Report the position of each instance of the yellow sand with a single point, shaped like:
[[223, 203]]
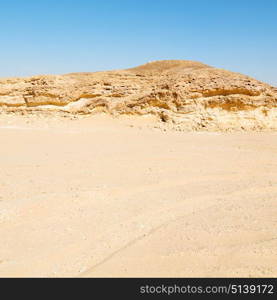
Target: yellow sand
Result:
[[105, 197]]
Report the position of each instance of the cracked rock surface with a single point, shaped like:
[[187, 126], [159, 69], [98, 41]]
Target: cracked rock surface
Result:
[[184, 94]]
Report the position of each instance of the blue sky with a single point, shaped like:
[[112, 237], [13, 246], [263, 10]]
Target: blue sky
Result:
[[51, 36]]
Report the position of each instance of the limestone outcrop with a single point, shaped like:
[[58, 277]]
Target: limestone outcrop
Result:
[[184, 94]]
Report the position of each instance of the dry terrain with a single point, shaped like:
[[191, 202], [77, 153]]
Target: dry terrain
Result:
[[118, 197], [166, 169], [184, 94]]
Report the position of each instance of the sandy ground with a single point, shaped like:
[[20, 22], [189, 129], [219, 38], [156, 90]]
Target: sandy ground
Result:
[[101, 197]]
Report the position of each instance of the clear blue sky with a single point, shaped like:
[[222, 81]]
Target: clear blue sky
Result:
[[60, 36]]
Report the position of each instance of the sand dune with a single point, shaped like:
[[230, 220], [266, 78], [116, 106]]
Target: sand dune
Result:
[[118, 197]]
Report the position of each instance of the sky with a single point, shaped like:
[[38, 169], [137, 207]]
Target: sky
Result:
[[57, 37]]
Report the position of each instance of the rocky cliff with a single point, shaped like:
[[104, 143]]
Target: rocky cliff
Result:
[[184, 94]]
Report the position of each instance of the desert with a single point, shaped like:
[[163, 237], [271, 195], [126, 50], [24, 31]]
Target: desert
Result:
[[186, 95], [163, 170]]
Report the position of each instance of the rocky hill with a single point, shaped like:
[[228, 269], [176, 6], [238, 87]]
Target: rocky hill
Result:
[[184, 94]]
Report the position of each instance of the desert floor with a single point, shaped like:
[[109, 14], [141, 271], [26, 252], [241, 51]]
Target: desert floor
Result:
[[102, 197]]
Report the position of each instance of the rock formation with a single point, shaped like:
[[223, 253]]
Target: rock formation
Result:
[[184, 94]]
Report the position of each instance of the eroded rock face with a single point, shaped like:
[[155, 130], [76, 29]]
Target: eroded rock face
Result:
[[184, 94]]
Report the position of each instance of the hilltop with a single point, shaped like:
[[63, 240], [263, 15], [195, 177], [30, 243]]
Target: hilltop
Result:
[[184, 94]]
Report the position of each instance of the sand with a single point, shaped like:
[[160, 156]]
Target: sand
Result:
[[98, 196]]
